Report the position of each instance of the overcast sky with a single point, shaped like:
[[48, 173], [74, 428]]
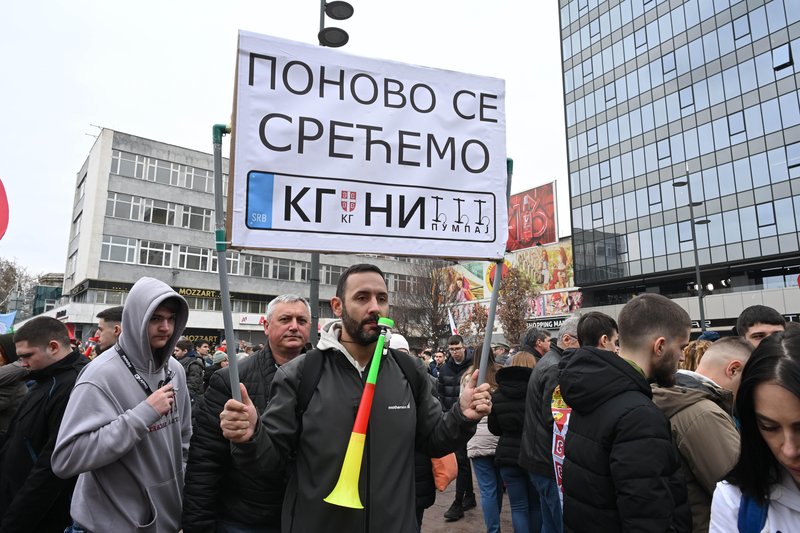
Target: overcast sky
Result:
[[164, 70]]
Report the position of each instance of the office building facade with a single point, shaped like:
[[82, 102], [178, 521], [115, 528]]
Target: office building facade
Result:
[[658, 92]]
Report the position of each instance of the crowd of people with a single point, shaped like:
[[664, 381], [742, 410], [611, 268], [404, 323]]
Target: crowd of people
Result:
[[611, 425]]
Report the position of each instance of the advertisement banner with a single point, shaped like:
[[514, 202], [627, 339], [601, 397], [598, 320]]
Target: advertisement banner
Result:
[[532, 218], [339, 153]]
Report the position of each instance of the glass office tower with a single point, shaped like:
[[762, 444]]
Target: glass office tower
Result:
[[660, 90]]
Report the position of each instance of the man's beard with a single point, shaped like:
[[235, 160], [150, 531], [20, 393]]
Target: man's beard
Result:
[[357, 331], [664, 375]]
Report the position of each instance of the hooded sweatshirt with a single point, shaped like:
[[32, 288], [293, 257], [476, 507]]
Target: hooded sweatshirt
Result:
[[130, 459]]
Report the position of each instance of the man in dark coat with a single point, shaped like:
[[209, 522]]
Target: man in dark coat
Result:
[[621, 468], [449, 377], [32, 497], [194, 367], [217, 495]]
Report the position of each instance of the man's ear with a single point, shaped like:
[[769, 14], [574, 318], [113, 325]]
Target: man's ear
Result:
[[117, 330], [658, 346], [55, 346], [734, 367], [336, 306]]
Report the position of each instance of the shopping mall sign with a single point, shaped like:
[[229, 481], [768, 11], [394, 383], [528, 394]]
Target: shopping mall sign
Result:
[[339, 153]]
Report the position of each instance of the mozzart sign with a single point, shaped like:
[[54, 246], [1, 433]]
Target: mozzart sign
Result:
[[333, 152]]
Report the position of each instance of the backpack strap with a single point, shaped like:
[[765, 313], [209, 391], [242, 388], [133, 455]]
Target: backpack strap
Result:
[[312, 370], [410, 370], [752, 515]]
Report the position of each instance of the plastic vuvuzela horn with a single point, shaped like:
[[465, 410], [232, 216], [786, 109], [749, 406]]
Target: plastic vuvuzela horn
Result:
[[345, 493]]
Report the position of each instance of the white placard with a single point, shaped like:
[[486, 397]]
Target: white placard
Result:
[[338, 153]]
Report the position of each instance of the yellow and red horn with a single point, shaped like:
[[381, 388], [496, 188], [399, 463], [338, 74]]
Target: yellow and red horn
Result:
[[345, 493]]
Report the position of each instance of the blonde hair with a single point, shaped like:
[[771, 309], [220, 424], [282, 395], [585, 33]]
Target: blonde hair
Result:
[[523, 358]]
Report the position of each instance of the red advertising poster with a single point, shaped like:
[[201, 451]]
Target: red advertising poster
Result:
[[532, 218]]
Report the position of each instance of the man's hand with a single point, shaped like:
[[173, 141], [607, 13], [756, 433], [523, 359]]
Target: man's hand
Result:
[[238, 419], [475, 402], [162, 399]]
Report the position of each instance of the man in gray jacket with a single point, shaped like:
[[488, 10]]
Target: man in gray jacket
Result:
[[316, 437], [127, 426]]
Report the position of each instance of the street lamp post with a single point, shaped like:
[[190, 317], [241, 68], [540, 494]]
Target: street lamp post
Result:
[[698, 282]]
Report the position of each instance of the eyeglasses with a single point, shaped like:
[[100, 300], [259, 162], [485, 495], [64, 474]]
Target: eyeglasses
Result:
[[455, 348]]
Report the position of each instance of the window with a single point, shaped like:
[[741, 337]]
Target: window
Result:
[[124, 206], [199, 179], [611, 93], [158, 212], [640, 38], [594, 29], [400, 283], [163, 172], [231, 258], [741, 27], [196, 218], [736, 127], [782, 57], [76, 225], [155, 253], [118, 249], [81, 190], [72, 264], [194, 258], [255, 266], [668, 62], [663, 149], [793, 160], [591, 137], [331, 273], [766, 220], [129, 165]]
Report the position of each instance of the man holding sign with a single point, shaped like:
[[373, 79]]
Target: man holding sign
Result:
[[316, 435]]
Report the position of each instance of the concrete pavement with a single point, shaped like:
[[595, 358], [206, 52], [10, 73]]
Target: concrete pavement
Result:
[[433, 521]]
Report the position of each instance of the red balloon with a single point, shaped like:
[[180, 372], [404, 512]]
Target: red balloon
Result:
[[3, 210]]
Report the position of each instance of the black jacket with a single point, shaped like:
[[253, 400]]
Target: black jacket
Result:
[[450, 380], [537, 436], [424, 484], [214, 486], [621, 469], [32, 497], [194, 368], [508, 412]]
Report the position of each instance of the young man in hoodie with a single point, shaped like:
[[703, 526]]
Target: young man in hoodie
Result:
[[32, 497], [621, 468], [700, 412], [316, 438], [127, 426]]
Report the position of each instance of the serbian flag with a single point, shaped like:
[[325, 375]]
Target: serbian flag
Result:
[[3, 210], [7, 322]]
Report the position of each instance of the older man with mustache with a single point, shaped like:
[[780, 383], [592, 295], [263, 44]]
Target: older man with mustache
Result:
[[218, 496]]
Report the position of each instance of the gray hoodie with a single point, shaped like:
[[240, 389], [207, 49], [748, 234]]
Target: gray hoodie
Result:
[[130, 459]]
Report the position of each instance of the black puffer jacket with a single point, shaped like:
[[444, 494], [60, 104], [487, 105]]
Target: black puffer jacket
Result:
[[621, 470], [508, 413], [32, 497], [214, 487], [537, 435], [450, 381]]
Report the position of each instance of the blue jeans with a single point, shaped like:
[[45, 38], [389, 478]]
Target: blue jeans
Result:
[[526, 511], [491, 486], [224, 526], [552, 522]]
